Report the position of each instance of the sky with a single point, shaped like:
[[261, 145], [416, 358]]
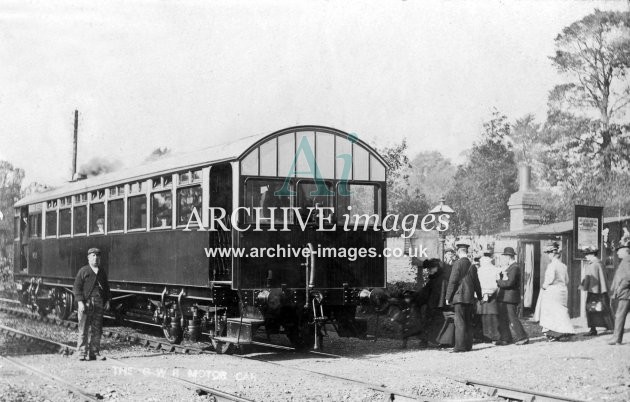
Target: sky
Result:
[[190, 74]]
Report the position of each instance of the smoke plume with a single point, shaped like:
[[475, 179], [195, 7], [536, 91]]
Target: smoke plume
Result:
[[98, 165]]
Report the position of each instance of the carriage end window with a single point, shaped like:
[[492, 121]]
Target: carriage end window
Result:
[[115, 215], [363, 198], [161, 209], [314, 195], [262, 194], [65, 221], [137, 213], [187, 199], [97, 218]]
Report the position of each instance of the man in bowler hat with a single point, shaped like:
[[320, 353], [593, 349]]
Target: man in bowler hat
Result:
[[463, 284], [508, 298], [91, 290]]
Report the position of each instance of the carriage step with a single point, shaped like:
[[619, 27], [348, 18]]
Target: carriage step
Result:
[[243, 330], [236, 341]]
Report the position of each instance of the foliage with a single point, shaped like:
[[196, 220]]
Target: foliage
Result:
[[10, 184], [397, 175], [594, 53], [484, 183], [432, 175], [525, 139]]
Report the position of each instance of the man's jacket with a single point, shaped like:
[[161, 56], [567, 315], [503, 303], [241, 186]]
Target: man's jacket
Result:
[[86, 280], [463, 283], [510, 287]]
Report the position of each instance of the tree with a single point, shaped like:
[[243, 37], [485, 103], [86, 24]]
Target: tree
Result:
[[595, 53], [431, 174], [10, 184], [397, 174], [484, 183], [525, 139]]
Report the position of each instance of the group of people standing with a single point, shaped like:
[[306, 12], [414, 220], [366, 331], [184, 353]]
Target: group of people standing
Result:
[[457, 293], [461, 296]]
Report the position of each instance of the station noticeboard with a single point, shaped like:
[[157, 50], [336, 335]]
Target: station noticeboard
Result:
[[587, 229]]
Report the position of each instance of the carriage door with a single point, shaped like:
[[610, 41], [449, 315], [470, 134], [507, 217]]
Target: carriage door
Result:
[[22, 240], [221, 197]]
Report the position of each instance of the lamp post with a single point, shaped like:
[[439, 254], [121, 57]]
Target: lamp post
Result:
[[441, 210]]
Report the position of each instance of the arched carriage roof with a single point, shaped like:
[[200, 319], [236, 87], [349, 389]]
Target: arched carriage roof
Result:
[[226, 152]]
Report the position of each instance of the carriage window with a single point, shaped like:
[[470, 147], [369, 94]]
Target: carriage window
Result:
[[314, 195], [35, 225], [117, 191], [363, 199], [187, 199], [163, 181], [80, 220], [65, 220], [260, 193], [97, 218], [137, 213], [116, 215], [161, 209], [51, 223], [361, 163]]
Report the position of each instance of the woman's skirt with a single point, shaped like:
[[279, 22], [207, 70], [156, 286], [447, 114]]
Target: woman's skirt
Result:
[[552, 312], [602, 318]]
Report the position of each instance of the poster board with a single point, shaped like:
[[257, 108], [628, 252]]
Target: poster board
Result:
[[587, 229]]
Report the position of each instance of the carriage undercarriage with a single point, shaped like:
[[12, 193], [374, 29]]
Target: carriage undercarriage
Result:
[[224, 319]]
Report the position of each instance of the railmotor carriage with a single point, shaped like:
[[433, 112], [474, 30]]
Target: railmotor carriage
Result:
[[163, 273]]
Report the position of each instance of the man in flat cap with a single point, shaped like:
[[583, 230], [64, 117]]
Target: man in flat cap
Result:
[[621, 291], [463, 285], [91, 290], [508, 298]]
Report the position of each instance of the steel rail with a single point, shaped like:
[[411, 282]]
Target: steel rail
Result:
[[493, 390], [218, 395], [9, 300], [62, 346], [47, 376], [515, 394]]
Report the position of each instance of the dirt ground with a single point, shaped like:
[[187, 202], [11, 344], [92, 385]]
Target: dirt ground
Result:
[[584, 368]]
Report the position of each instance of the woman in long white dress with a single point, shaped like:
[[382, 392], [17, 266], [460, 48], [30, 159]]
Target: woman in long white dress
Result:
[[551, 310]]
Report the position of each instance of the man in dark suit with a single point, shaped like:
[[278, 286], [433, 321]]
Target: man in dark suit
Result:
[[463, 284], [91, 290], [508, 298]]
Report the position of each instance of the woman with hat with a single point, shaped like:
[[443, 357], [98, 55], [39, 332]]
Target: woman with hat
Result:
[[487, 308], [598, 313], [551, 310]]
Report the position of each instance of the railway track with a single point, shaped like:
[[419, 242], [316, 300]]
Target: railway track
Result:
[[213, 393], [79, 392], [493, 391]]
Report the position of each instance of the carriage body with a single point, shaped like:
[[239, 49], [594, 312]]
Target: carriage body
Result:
[[158, 224]]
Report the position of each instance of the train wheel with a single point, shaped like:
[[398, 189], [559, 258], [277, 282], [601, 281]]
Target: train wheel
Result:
[[173, 334], [62, 304], [223, 348]]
